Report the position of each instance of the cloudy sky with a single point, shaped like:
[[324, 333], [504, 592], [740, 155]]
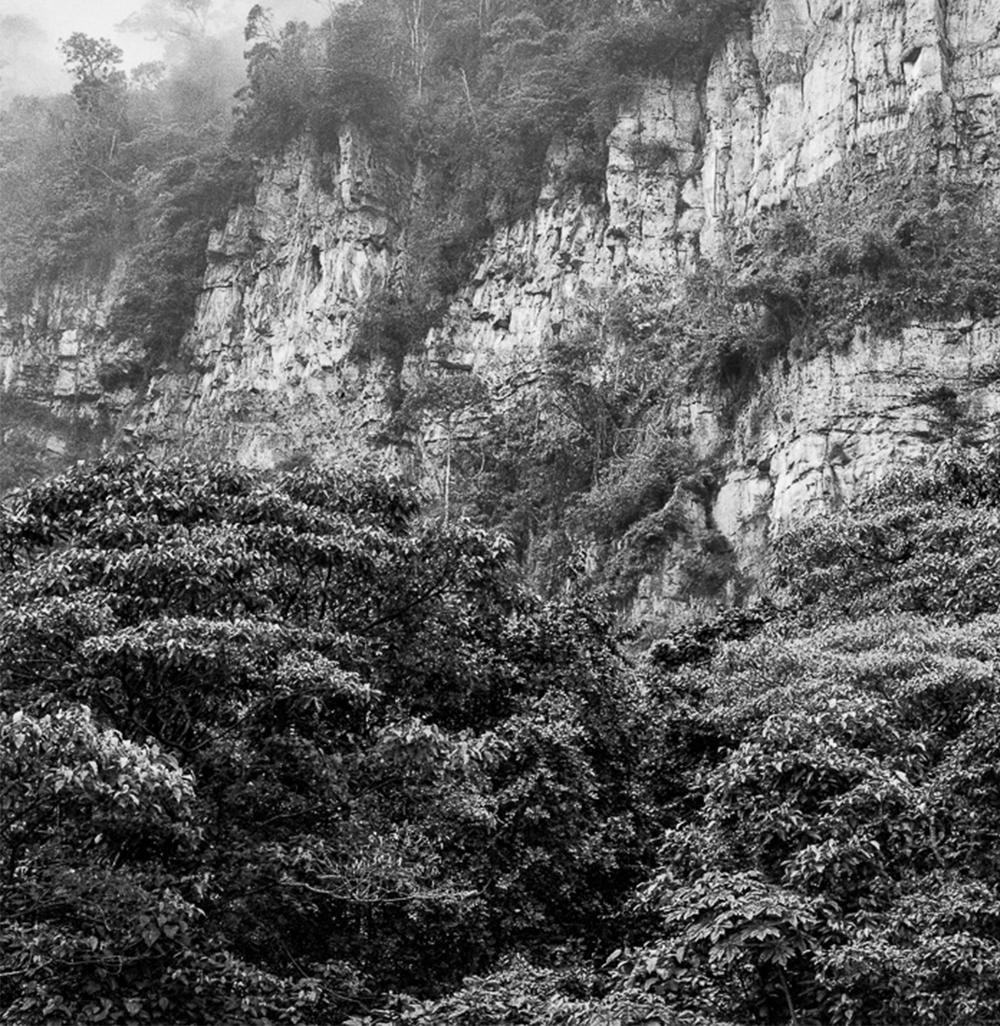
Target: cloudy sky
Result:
[[30, 31]]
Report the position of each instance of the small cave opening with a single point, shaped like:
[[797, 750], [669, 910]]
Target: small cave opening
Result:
[[910, 62]]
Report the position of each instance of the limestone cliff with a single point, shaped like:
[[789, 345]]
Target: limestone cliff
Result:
[[811, 87], [64, 388], [265, 370]]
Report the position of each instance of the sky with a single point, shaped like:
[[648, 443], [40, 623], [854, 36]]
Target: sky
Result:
[[30, 31]]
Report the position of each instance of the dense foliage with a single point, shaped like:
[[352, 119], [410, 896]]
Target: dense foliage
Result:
[[834, 855], [282, 749], [275, 749], [924, 543], [911, 247], [272, 747], [138, 165]]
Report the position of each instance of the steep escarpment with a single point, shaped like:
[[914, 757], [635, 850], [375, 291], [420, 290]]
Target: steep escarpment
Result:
[[813, 106], [265, 371], [808, 110]]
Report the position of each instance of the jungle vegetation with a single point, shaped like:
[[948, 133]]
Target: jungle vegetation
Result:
[[274, 748]]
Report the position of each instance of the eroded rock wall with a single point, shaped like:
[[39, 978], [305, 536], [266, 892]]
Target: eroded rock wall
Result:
[[815, 95], [266, 374], [65, 388]]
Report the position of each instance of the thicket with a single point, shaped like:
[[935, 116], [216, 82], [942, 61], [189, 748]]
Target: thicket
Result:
[[138, 165], [271, 746], [276, 750], [177, 205], [835, 858]]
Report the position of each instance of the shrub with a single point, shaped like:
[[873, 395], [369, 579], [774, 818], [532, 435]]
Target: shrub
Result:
[[281, 747], [921, 541]]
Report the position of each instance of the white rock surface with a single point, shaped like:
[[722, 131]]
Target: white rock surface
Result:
[[783, 107]]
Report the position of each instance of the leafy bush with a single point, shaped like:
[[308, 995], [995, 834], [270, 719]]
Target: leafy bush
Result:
[[281, 747], [921, 541], [831, 821], [520, 993], [837, 862], [908, 249], [390, 326]]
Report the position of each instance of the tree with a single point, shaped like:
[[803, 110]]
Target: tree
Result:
[[281, 76], [92, 61], [96, 66], [182, 18]]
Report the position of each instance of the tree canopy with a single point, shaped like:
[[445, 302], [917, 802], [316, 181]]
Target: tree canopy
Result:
[[275, 746], [279, 748]]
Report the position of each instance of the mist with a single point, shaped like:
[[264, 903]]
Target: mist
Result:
[[193, 38], [26, 65]]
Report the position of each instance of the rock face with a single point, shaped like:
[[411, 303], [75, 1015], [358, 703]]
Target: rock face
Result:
[[886, 83], [811, 88], [63, 386], [812, 436], [267, 375]]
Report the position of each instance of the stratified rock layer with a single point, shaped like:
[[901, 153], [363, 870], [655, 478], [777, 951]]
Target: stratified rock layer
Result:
[[267, 373], [815, 95]]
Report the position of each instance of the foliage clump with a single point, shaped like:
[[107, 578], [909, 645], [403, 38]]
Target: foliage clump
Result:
[[585, 457], [812, 276], [921, 540], [279, 747], [138, 165], [179, 203]]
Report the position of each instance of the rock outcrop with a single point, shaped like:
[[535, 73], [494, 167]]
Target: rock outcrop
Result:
[[65, 389], [266, 370], [814, 95]]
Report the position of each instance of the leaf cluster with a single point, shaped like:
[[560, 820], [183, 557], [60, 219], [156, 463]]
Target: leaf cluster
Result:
[[278, 746]]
